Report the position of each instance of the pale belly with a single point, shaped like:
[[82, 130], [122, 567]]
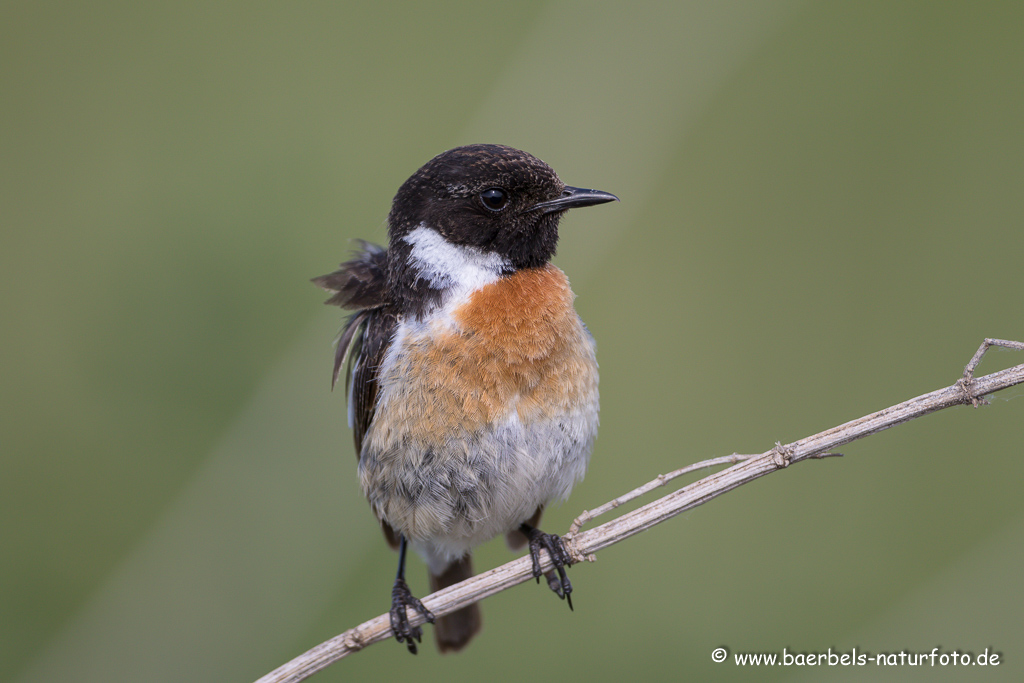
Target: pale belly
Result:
[[449, 498]]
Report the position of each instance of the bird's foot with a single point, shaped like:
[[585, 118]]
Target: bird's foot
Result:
[[401, 600], [557, 579]]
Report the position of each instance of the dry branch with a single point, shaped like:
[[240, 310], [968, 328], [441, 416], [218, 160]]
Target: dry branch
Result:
[[581, 545]]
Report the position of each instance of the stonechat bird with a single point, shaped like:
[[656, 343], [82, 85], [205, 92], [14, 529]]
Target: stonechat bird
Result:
[[472, 381]]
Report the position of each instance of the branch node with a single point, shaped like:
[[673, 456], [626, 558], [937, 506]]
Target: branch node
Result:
[[575, 553], [584, 517], [966, 386], [353, 640], [781, 455], [966, 383]]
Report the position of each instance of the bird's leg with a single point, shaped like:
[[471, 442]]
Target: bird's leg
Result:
[[559, 557], [401, 599]]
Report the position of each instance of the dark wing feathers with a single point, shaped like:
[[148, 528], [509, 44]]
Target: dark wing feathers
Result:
[[373, 344], [360, 284], [348, 344]]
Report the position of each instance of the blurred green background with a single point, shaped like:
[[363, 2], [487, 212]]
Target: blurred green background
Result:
[[821, 216]]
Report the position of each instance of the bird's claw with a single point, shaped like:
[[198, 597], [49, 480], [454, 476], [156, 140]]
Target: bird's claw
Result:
[[557, 579], [402, 599]]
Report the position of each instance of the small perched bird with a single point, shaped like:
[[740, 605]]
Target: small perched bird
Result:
[[472, 382]]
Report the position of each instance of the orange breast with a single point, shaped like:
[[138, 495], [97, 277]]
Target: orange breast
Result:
[[516, 344], [526, 345]]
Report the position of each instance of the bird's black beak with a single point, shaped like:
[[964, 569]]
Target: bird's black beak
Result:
[[573, 198]]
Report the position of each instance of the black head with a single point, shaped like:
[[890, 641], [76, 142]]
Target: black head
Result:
[[496, 199]]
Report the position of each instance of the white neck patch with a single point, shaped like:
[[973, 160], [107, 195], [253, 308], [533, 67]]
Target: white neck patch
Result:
[[450, 266]]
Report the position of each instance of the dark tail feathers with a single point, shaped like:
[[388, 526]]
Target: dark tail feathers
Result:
[[453, 631]]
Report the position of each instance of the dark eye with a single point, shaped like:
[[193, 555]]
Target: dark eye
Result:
[[494, 198]]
